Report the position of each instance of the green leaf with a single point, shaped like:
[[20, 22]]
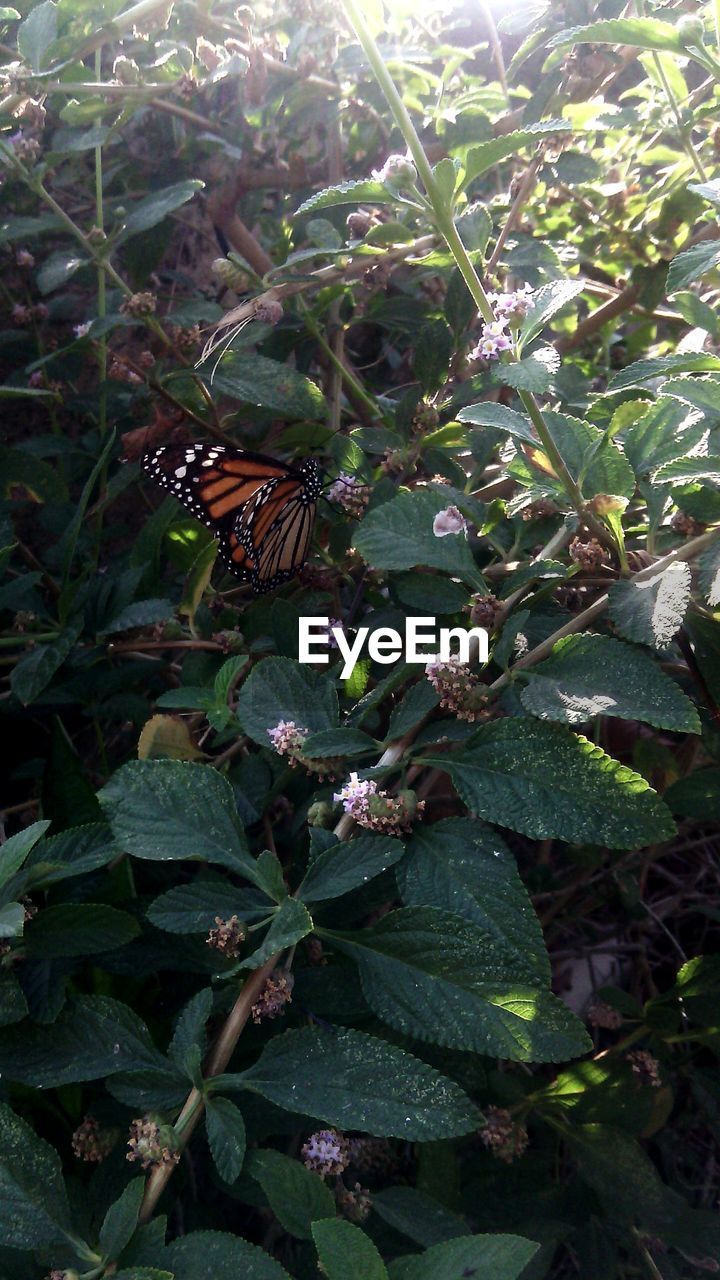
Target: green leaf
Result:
[[347, 193], [697, 795], [692, 265], [705, 468], [643, 372], [93, 1037], [226, 1137], [192, 908], [7, 14], [58, 269], [346, 1253], [399, 535], [546, 302], [12, 920], [356, 1081], [190, 1029], [640, 33], [37, 33], [474, 226], [214, 1255], [436, 976], [78, 929], [338, 742], [483, 157], [533, 373], [33, 673], [608, 471], [417, 703], [347, 865], [651, 611], [291, 922], [590, 675], [70, 853], [700, 393], [13, 1005], [35, 1206], [487, 414], [549, 783], [709, 565], [170, 809], [254, 379], [121, 1220], [465, 867], [296, 1196], [155, 208], [417, 1215], [668, 430], [281, 689], [15, 850], [484, 1257], [141, 613], [433, 351]]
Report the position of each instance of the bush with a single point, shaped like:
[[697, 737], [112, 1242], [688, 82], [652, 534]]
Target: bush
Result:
[[370, 969]]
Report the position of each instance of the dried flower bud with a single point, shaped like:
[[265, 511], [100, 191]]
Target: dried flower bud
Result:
[[320, 814], [355, 1204], [605, 1016], [645, 1067], [90, 1142], [540, 509], [276, 993], [589, 555], [687, 525], [398, 172], [96, 235], [504, 1137], [139, 305], [268, 311], [152, 1144], [485, 611], [228, 936], [358, 224], [425, 418], [185, 339]]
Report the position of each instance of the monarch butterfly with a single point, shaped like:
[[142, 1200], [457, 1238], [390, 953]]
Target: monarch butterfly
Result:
[[261, 511]]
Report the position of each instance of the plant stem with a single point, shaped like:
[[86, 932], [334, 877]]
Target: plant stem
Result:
[[348, 378], [683, 132], [101, 297]]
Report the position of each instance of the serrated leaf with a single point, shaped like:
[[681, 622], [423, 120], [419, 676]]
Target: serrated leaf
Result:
[[35, 1206], [282, 689], [532, 373], [92, 1037], [16, 849], [356, 1081], [70, 853], [190, 1028], [338, 742], [192, 908], [418, 702], [484, 1257], [590, 675], [215, 1255], [640, 33], [346, 1253], [642, 372], [549, 783], [417, 1215], [33, 673], [436, 976], [12, 920], [297, 1197], [169, 809], [37, 33], [702, 468], [141, 613], [465, 867], [347, 193], [546, 302], [154, 208], [253, 379], [399, 535], [121, 1220], [709, 565], [291, 922], [481, 158], [692, 265], [347, 865], [78, 929], [226, 1137], [488, 414], [651, 611], [668, 430], [700, 393]]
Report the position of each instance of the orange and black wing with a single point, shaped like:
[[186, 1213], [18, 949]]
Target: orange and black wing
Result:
[[241, 497], [275, 531]]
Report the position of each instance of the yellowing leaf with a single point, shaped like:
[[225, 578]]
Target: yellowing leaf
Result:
[[166, 737]]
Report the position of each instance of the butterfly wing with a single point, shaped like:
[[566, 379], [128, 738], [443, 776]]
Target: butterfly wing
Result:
[[240, 496], [275, 532]]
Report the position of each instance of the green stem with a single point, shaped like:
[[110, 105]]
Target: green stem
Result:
[[348, 378], [446, 226], [101, 295], [682, 130], [32, 637]]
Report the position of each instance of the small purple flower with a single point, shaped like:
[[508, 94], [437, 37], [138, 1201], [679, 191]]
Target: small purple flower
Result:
[[354, 795], [82, 330], [287, 738], [512, 307], [327, 1153], [24, 258], [493, 340], [349, 493], [451, 520]]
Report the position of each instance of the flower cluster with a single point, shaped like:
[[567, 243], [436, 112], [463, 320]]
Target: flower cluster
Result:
[[276, 993], [354, 1204], [139, 305], [287, 739], [327, 1153], [485, 611], [451, 520], [510, 309], [24, 258], [268, 311], [645, 1067], [376, 810], [686, 525], [227, 937], [588, 555], [604, 1016], [398, 171], [151, 1144], [372, 1155], [351, 495], [90, 1142], [504, 1137], [458, 687]]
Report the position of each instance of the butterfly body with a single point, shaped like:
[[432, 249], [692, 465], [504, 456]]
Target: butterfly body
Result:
[[260, 510]]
